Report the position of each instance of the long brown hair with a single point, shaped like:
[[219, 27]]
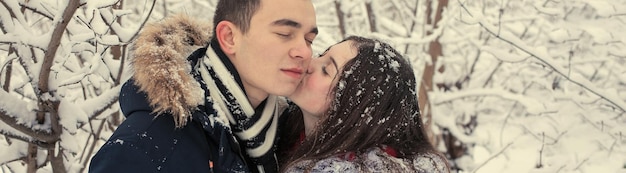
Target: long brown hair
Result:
[[374, 103]]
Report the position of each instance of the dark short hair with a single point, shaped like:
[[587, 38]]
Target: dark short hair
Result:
[[238, 12]]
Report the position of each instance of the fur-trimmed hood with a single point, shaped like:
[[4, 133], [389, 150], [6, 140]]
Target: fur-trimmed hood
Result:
[[161, 69]]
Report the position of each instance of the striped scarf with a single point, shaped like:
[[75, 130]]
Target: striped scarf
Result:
[[255, 131]]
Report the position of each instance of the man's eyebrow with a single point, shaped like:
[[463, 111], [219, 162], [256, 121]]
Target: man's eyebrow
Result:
[[291, 23], [287, 22]]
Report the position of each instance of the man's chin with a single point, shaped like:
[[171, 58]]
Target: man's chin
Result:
[[284, 92]]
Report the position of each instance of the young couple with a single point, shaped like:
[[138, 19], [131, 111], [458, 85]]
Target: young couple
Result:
[[198, 106]]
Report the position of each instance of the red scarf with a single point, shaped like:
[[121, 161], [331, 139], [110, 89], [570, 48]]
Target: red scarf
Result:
[[350, 156]]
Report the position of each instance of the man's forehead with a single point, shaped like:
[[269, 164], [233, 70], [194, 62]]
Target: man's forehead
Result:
[[299, 14]]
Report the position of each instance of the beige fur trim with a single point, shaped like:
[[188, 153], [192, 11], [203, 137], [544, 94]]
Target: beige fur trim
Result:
[[161, 67]]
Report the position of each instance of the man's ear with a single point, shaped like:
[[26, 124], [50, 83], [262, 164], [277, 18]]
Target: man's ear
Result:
[[225, 33]]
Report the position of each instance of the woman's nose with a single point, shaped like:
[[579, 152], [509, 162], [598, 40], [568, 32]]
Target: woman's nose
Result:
[[309, 70]]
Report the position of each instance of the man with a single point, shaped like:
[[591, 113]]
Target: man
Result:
[[259, 49]]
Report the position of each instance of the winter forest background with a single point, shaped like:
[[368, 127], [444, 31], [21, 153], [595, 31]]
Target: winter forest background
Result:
[[509, 85]]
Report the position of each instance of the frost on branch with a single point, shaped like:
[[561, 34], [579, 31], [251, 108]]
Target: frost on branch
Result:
[[60, 78]]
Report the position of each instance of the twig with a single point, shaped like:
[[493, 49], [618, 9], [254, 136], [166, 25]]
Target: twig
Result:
[[96, 137], [581, 163], [144, 21], [543, 144], [492, 157]]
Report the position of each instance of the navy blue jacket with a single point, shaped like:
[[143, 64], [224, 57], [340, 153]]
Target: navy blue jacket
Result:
[[167, 87], [148, 143]]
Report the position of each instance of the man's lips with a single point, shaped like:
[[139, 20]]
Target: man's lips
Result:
[[293, 72]]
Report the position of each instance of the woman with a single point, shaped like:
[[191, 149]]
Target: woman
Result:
[[358, 110]]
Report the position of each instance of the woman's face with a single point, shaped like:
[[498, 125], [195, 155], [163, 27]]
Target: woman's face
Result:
[[312, 95]]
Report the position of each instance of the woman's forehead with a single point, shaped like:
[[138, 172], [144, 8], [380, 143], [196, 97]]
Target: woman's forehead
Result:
[[342, 52]]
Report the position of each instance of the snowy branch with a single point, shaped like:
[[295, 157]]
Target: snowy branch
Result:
[[532, 106], [37, 9], [10, 110], [55, 41], [547, 60], [95, 106], [16, 39]]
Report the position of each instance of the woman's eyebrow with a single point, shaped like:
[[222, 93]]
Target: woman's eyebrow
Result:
[[335, 64]]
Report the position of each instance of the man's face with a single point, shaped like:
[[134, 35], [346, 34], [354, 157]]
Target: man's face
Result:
[[273, 55]]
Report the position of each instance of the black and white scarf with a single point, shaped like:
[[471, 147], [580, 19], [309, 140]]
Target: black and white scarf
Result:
[[255, 130]]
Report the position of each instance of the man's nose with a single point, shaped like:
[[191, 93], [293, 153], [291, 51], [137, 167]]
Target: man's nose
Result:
[[301, 50]]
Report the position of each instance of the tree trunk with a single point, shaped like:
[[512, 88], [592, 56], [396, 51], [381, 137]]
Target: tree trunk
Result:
[[56, 160], [435, 50], [341, 24], [47, 106], [119, 53], [116, 50], [371, 16], [31, 159], [454, 148]]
